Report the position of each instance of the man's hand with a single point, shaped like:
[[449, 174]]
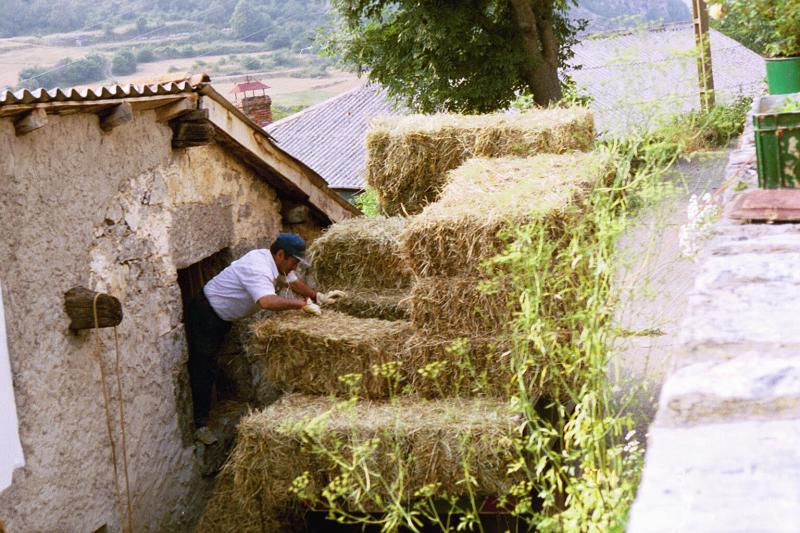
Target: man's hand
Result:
[[312, 308], [327, 298]]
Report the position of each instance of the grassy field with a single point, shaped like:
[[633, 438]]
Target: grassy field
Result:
[[294, 79]]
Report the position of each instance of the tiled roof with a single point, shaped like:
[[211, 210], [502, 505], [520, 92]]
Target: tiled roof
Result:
[[636, 75], [154, 87], [329, 137]]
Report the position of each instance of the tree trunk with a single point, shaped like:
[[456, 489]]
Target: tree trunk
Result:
[[540, 43]]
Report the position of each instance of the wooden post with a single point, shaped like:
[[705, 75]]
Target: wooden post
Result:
[[702, 38], [32, 120], [78, 302]]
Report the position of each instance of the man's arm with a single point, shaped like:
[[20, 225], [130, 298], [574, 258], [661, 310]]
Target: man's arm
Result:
[[273, 302], [299, 286]]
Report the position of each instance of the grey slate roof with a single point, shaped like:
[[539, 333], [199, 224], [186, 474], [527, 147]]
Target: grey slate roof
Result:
[[637, 75], [329, 137]]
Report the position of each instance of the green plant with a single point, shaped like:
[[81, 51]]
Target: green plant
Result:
[[791, 105], [768, 26], [367, 202]]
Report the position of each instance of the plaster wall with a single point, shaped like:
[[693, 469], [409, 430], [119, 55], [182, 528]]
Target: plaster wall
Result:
[[116, 212]]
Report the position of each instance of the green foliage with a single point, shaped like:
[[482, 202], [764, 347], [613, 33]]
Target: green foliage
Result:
[[696, 131], [145, 55], [771, 27], [65, 73], [458, 56], [123, 62], [367, 202], [247, 22], [252, 63]]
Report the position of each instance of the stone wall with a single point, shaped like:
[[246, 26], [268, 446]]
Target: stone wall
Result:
[[724, 450], [117, 212]]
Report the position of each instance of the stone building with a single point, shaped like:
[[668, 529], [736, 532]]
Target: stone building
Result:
[[140, 192]]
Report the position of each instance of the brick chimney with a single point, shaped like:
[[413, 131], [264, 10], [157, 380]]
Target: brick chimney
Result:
[[251, 97], [258, 108]]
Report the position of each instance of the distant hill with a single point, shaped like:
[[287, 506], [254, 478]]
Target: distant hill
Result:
[[606, 15], [282, 22]]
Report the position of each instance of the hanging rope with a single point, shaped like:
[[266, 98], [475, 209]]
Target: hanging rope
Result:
[[122, 431], [106, 403]]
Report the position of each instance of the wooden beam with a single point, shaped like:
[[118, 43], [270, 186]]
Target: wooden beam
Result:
[[32, 120], [118, 115], [79, 304], [188, 134], [192, 128], [256, 142], [174, 110]]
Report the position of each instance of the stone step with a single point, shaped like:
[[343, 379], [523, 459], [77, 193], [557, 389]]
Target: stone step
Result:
[[405, 445]]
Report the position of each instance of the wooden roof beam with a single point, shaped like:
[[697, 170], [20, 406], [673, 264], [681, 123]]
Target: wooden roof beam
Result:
[[256, 142], [174, 110]]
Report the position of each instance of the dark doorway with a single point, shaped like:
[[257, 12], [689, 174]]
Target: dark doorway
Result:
[[192, 278]]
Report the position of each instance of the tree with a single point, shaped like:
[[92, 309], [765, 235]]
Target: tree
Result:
[[459, 55], [247, 22], [123, 62]]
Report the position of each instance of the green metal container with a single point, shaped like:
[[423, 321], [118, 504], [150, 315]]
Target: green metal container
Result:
[[777, 132], [783, 75]]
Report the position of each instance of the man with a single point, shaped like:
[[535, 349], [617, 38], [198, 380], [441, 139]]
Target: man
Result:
[[243, 288]]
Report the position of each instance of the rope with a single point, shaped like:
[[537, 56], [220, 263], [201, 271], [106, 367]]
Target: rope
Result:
[[106, 404], [122, 430]]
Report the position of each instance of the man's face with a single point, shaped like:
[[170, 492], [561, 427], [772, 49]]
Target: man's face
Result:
[[285, 263]]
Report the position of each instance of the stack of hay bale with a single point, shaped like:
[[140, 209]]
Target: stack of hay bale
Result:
[[408, 157], [459, 300], [442, 372]]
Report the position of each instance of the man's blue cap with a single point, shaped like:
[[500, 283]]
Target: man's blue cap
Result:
[[293, 244]]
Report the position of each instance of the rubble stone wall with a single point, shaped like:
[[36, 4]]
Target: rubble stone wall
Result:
[[116, 212]]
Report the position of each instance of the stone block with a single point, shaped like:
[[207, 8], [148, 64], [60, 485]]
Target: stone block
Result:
[[748, 314], [739, 477], [744, 388]]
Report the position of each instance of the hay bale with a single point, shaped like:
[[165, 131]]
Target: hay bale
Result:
[[458, 233], [408, 157], [360, 253], [306, 353], [446, 366], [431, 441], [228, 512], [386, 304], [461, 307]]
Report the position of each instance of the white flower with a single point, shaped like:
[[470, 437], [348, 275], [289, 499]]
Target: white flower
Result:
[[700, 216]]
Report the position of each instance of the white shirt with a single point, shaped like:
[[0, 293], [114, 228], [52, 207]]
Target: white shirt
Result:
[[234, 292]]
